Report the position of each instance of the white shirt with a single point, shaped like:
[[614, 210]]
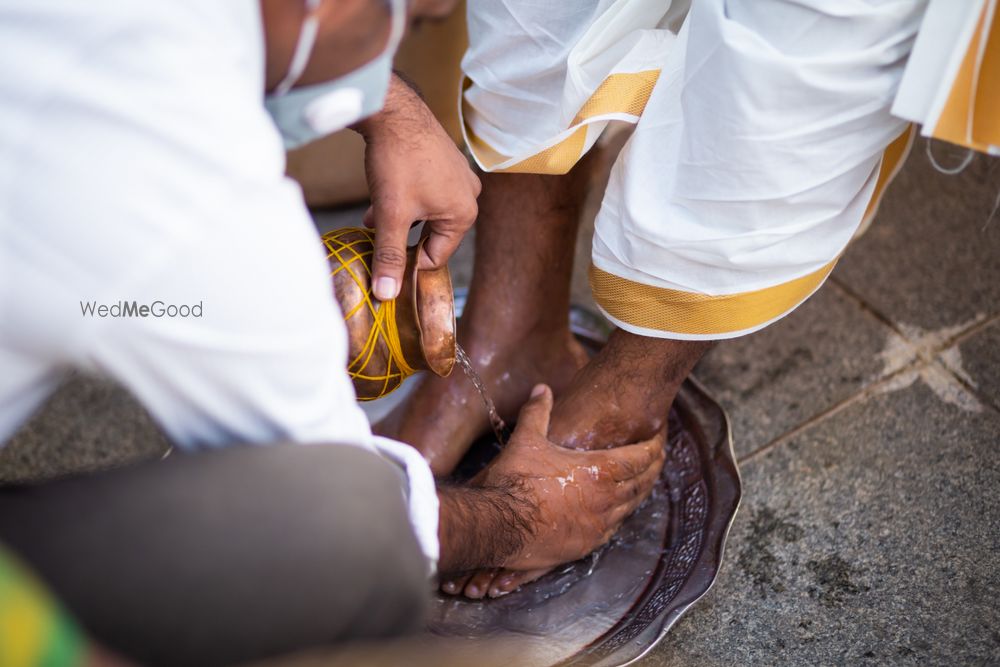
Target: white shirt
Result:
[[137, 164]]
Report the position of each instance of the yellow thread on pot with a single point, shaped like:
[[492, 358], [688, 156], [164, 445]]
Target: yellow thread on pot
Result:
[[348, 255]]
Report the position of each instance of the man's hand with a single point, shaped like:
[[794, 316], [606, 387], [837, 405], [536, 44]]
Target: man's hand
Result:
[[415, 172], [538, 505]]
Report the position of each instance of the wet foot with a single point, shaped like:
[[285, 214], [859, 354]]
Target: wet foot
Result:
[[444, 416], [621, 396], [496, 583]]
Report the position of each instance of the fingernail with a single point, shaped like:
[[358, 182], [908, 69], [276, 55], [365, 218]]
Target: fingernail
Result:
[[385, 288], [538, 390]]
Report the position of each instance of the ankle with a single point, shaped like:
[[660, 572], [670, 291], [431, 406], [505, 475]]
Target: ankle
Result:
[[486, 341]]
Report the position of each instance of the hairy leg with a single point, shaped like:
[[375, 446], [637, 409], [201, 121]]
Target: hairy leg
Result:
[[621, 396], [515, 327]]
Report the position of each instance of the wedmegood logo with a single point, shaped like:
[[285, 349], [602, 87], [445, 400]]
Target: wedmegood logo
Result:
[[121, 309]]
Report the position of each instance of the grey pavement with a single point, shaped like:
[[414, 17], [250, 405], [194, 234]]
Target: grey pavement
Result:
[[867, 424], [872, 537], [868, 432]]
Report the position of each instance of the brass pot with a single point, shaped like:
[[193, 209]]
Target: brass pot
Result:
[[389, 341]]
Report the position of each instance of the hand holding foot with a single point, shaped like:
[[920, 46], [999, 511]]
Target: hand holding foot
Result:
[[552, 505], [580, 497]]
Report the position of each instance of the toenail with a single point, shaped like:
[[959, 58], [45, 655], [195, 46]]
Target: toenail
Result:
[[473, 591]]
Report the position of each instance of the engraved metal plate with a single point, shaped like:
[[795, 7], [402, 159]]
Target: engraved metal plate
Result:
[[612, 607]]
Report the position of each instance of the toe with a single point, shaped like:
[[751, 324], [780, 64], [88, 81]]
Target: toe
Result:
[[501, 583], [454, 585], [508, 581], [479, 584]]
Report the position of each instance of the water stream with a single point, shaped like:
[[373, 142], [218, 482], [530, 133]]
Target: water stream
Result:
[[498, 425]]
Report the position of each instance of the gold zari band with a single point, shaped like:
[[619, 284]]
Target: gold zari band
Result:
[[698, 314], [623, 93], [971, 116]]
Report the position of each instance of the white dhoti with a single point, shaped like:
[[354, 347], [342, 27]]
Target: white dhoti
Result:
[[763, 140]]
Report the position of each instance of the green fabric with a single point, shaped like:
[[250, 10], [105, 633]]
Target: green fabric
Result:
[[36, 631], [67, 646]]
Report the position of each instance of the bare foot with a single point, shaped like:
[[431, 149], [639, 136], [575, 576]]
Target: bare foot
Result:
[[444, 416], [621, 396], [624, 394]]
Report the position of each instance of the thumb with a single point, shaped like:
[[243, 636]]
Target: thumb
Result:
[[534, 417]]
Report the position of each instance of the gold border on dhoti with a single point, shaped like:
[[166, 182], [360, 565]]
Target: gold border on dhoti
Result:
[[971, 114], [621, 94], [697, 314]]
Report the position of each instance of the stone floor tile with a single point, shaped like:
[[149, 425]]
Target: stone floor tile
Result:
[[931, 259], [871, 538], [773, 380], [976, 361]]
